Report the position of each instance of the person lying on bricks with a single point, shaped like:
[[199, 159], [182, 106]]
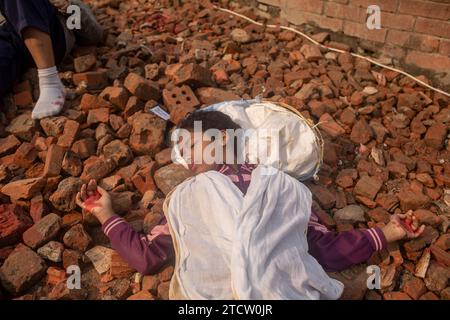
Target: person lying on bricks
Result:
[[298, 245], [35, 34]]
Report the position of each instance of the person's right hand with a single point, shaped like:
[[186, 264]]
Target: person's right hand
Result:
[[401, 226], [95, 200]]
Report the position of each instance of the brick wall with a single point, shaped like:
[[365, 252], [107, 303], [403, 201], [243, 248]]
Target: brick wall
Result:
[[414, 32]]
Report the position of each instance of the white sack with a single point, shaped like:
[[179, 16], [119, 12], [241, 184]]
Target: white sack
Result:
[[230, 246]]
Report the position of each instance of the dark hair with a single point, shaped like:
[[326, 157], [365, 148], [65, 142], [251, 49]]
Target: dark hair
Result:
[[211, 120]]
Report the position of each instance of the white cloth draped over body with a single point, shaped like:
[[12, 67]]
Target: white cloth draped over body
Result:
[[231, 246]]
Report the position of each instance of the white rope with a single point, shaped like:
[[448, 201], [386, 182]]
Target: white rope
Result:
[[334, 49]]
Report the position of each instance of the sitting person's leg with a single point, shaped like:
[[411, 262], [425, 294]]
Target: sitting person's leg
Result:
[[37, 25]]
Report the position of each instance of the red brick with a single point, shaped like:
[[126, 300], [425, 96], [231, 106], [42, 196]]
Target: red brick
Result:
[[297, 16], [53, 161], [414, 287], [133, 106], [361, 132], [411, 199], [368, 187], [210, 95], [43, 231], [142, 88], [100, 115], [423, 42], [119, 268], [143, 179], [23, 189], [76, 238], [313, 6], [390, 6], [440, 255], [180, 96], [142, 295], [25, 155], [193, 74], [21, 270], [428, 60], [433, 27], [311, 52], [444, 47], [346, 12], [69, 134], [397, 21], [116, 95], [97, 168], [55, 275], [397, 37], [444, 241], [429, 296], [23, 99], [89, 101], [119, 152], [22, 126], [13, 222], [71, 258], [37, 207], [8, 145], [93, 79], [429, 9], [395, 295], [147, 134], [330, 126], [84, 148], [84, 63], [324, 197], [361, 31]]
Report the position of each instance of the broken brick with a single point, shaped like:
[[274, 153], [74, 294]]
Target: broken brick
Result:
[[96, 168], [193, 75], [116, 95], [93, 79], [23, 189], [55, 276], [142, 88], [22, 269], [53, 161], [77, 238], [42, 231], [368, 187], [25, 155], [8, 145], [69, 134], [13, 222], [63, 198]]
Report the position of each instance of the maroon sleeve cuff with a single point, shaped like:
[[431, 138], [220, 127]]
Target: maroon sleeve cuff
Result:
[[376, 238], [111, 223]]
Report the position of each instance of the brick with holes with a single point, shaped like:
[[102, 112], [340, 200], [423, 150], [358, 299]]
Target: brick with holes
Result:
[[180, 101], [179, 96]]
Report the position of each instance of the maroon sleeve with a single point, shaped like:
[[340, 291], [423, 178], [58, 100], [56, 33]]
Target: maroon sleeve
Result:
[[339, 251], [146, 253]]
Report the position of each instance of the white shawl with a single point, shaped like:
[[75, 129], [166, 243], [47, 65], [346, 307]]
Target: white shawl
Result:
[[231, 246]]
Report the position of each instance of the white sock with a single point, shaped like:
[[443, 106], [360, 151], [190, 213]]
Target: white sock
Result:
[[52, 94]]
